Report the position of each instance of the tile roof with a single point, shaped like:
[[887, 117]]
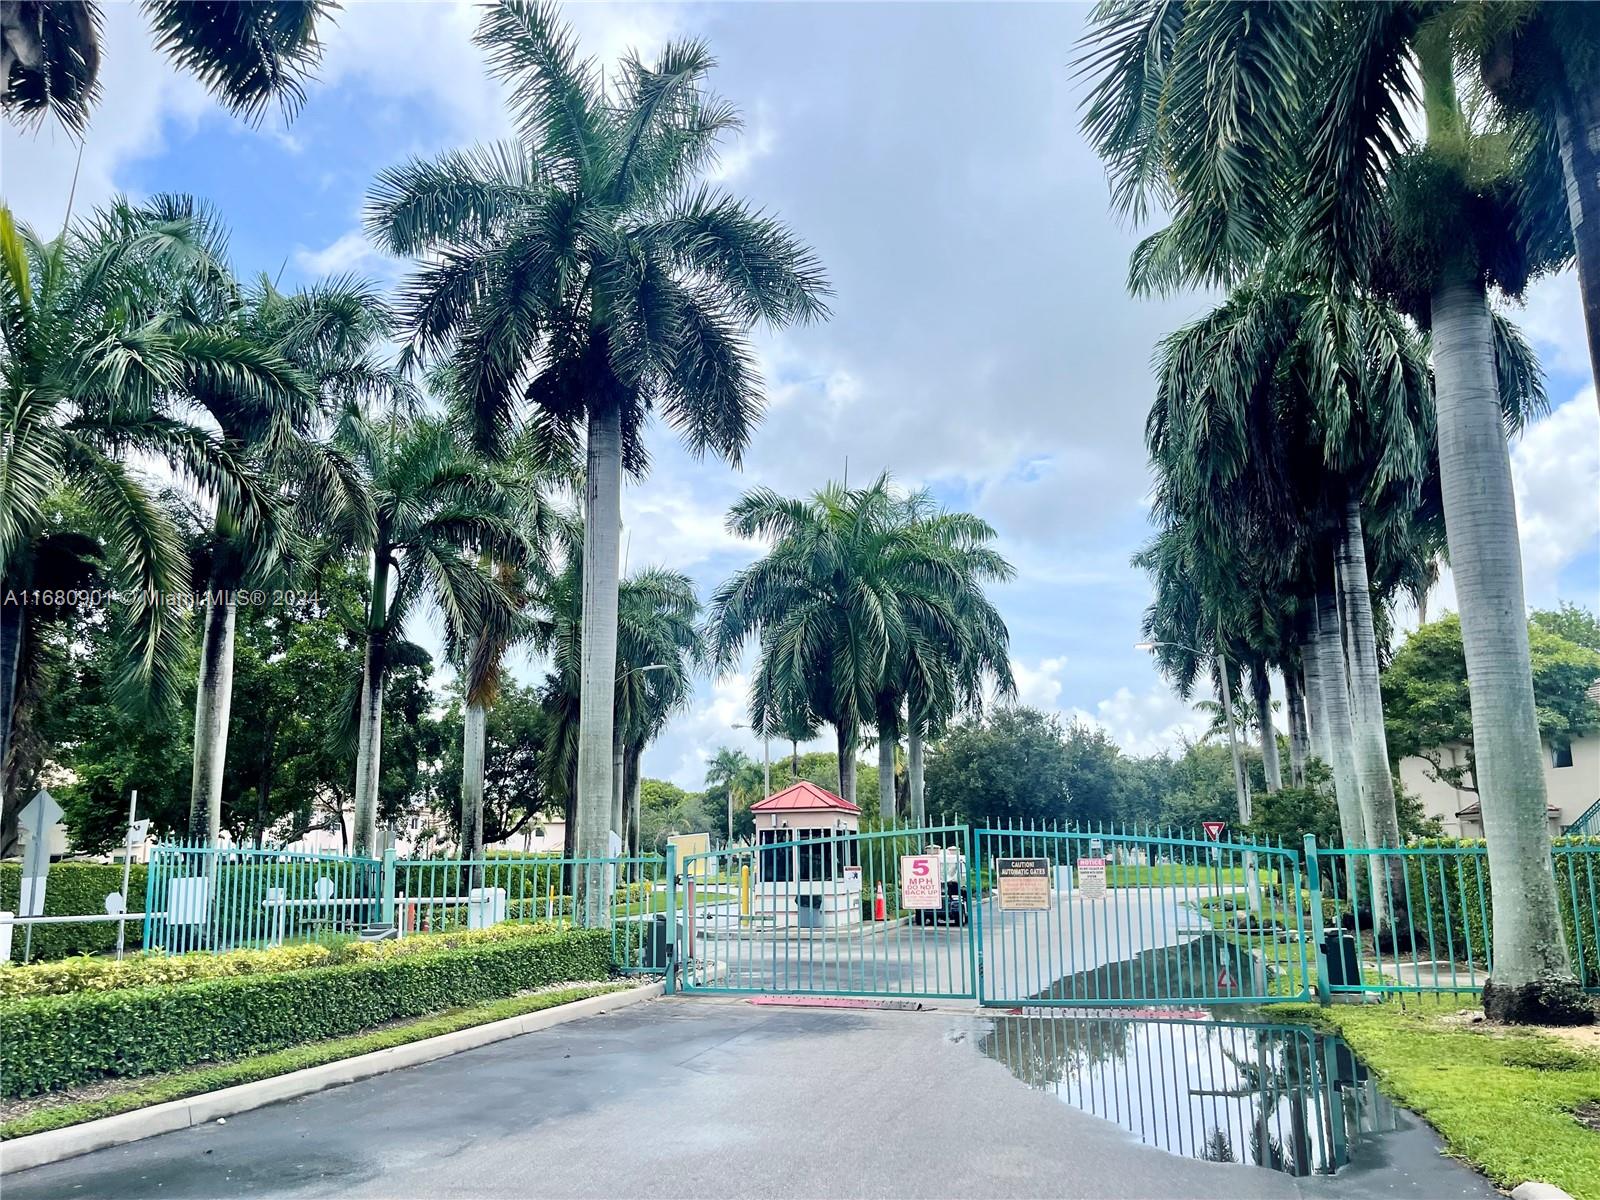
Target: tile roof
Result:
[[805, 796]]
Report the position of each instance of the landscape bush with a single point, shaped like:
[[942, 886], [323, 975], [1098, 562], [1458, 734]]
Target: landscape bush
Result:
[[52, 1042], [75, 889], [152, 969]]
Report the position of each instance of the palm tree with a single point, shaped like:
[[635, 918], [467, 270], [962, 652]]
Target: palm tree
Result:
[[1286, 127], [435, 507], [581, 270], [658, 650], [860, 592], [249, 56], [1541, 62], [325, 333], [96, 371]]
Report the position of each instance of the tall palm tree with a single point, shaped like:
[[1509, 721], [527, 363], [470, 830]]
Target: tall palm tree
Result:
[[249, 56], [326, 333], [94, 372], [857, 588], [581, 270], [436, 507], [1286, 126]]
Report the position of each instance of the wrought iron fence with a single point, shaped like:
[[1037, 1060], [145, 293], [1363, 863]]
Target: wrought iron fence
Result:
[[1421, 918], [218, 898]]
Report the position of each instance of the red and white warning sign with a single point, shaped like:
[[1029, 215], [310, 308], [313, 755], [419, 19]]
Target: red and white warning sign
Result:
[[920, 883], [1225, 980], [1214, 829]]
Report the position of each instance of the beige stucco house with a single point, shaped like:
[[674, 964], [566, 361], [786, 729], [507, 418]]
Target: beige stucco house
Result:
[[1571, 781]]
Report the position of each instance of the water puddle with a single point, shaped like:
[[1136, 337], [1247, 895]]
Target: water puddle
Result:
[[1277, 1096]]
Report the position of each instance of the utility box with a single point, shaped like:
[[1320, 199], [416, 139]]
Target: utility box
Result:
[[1339, 950], [485, 907]]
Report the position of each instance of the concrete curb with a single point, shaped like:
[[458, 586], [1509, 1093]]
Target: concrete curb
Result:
[[40, 1149]]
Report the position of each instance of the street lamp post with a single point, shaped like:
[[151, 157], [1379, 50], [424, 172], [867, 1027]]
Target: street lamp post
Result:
[[766, 773]]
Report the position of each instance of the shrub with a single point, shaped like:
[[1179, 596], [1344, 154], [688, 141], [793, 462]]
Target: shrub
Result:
[[155, 969], [75, 889], [52, 1042]]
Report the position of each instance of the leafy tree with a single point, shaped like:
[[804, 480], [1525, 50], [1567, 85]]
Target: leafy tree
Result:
[[666, 809], [1429, 707], [1010, 765], [95, 370], [249, 56], [581, 270], [1570, 621], [517, 736]]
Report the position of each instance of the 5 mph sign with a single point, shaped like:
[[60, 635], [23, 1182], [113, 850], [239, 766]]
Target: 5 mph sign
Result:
[[920, 882]]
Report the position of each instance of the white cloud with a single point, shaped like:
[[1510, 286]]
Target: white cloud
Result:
[[350, 253], [1039, 686], [1147, 722], [758, 140], [1551, 315], [1556, 470], [666, 522]]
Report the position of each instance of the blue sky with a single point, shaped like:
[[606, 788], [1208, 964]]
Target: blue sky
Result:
[[982, 343]]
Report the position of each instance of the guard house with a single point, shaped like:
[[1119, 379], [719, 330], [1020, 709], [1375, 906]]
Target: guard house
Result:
[[817, 883]]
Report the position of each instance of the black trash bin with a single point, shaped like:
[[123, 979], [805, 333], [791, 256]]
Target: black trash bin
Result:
[[657, 943], [1339, 950]]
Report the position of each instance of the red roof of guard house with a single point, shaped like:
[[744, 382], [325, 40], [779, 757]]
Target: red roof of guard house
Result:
[[805, 796]]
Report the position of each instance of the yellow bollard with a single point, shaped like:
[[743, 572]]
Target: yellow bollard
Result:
[[744, 890]]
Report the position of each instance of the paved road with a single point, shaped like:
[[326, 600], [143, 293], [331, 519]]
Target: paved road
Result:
[[700, 1098], [1024, 952]]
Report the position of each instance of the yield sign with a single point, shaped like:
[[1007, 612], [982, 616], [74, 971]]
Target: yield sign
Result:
[[1214, 829]]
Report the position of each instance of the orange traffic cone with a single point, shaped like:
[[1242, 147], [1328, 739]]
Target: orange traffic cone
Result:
[[879, 913]]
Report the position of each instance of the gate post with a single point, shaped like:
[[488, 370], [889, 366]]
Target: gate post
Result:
[[672, 919], [386, 907], [1314, 882]]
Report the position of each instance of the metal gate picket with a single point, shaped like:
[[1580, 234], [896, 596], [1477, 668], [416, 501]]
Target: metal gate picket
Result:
[[1176, 920], [798, 917]]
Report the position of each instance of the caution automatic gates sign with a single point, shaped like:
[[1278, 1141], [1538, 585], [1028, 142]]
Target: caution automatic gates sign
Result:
[[1024, 884]]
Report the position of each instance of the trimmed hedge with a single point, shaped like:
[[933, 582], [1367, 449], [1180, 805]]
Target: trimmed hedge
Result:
[[154, 968], [52, 1042], [75, 889]]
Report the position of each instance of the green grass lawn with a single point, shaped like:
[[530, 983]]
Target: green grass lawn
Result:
[[1181, 875], [656, 902], [37, 1118], [1502, 1099]]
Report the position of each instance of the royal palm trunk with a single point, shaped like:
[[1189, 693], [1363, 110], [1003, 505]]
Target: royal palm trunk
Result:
[[847, 761], [617, 785], [212, 702], [1299, 739], [1577, 122], [598, 677], [369, 717], [11, 633], [888, 736], [1486, 558], [919, 810], [1378, 815], [1334, 703], [1261, 691]]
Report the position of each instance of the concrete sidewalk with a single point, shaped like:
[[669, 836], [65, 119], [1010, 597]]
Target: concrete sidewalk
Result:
[[699, 1098]]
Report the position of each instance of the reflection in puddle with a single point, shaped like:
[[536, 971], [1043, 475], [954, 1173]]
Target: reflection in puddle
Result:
[[1277, 1096]]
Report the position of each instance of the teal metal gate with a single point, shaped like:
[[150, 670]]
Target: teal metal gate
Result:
[[1127, 918], [820, 913]]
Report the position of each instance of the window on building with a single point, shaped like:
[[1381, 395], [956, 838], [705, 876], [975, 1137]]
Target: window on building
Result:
[[1560, 754], [775, 861]]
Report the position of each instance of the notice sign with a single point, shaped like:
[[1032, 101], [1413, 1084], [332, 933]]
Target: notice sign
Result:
[[1092, 878], [1024, 884], [920, 885]]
